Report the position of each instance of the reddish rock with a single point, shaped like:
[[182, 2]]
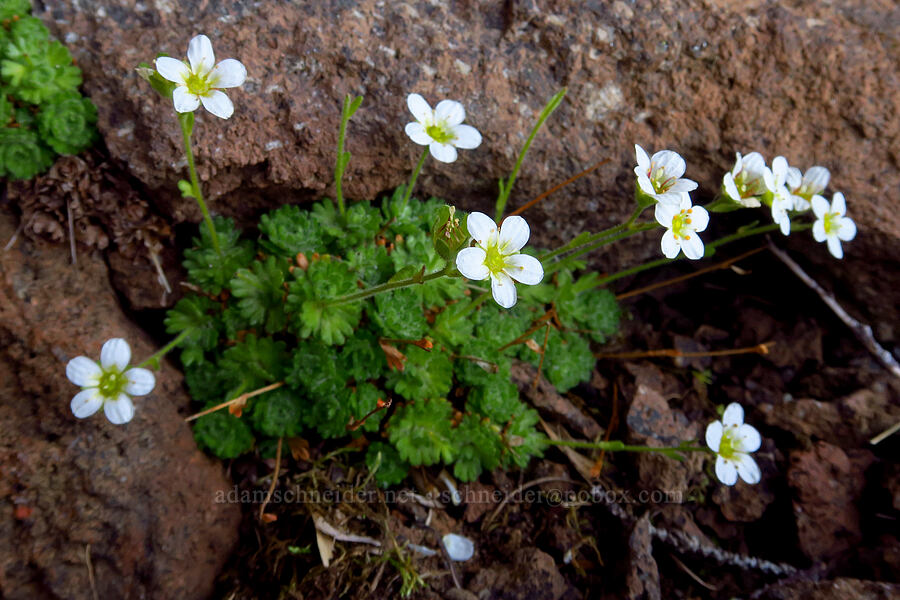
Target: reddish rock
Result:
[[826, 482], [532, 575], [746, 503], [138, 498], [838, 589], [642, 575], [706, 82]]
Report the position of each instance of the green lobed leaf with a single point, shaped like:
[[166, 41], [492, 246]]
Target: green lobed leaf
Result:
[[256, 362], [362, 358], [421, 432], [364, 399], [22, 155], [289, 230], [223, 434], [399, 314], [426, 375], [14, 8], [330, 414], [260, 291], [67, 123], [478, 448], [315, 370], [312, 316], [278, 413], [384, 459], [208, 269], [198, 315], [568, 360]]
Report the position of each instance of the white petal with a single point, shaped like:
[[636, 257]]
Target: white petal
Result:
[[733, 415], [218, 104], [228, 74], [785, 224], [643, 161], [779, 170], [838, 204], [819, 230], [674, 198], [714, 435], [846, 230], [793, 178], [420, 109], [503, 290], [738, 164], [514, 234], [140, 381], [645, 184], [683, 185], [184, 100], [449, 112], [665, 212], [820, 206], [768, 179], [671, 162], [834, 246], [416, 132], [459, 548], [83, 371], [726, 471], [747, 468], [747, 438], [444, 153], [115, 352], [753, 163], [800, 203], [684, 201], [699, 218], [120, 410], [692, 247], [172, 69], [481, 227], [730, 188], [817, 178], [470, 262], [466, 137], [670, 246], [524, 269], [200, 54], [86, 402]]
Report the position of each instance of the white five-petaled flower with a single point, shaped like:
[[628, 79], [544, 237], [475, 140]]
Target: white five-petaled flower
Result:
[[783, 177], [831, 225], [682, 222], [732, 440], [660, 176], [497, 256], [749, 180], [202, 81], [812, 183], [109, 384], [440, 129]]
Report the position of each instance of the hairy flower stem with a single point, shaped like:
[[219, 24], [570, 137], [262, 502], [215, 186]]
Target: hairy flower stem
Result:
[[187, 126], [720, 242], [617, 446], [153, 361], [506, 186], [587, 247], [417, 279], [343, 158], [412, 180]]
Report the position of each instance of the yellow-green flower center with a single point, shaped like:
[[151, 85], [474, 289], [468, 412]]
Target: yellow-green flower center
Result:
[[440, 133], [658, 178], [197, 84], [112, 382], [493, 260], [727, 446], [681, 224], [832, 222]]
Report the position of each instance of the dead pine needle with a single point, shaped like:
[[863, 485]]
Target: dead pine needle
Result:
[[725, 264], [558, 186], [239, 401], [885, 434], [14, 237], [90, 571], [675, 353], [262, 509], [71, 231]]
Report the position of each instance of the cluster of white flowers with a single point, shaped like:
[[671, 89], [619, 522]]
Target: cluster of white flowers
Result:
[[787, 191], [660, 177]]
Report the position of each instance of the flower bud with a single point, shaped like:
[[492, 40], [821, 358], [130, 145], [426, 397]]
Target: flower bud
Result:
[[449, 233]]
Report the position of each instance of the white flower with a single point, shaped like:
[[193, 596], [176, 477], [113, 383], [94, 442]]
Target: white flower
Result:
[[782, 200], [831, 225], [201, 82], [812, 183], [682, 222], [496, 255], [660, 176], [440, 129], [732, 441], [108, 384], [749, 180]]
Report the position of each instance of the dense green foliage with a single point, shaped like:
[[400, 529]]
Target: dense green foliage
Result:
[[263, 318], [41, 111]]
